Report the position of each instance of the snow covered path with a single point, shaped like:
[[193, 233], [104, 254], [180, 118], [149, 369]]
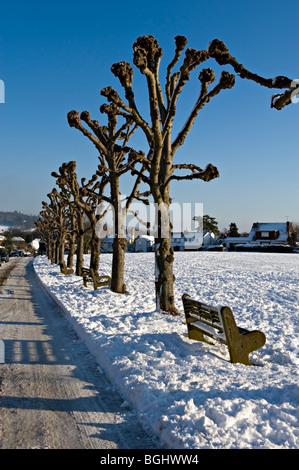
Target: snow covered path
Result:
[[189, 393], [52, 393]]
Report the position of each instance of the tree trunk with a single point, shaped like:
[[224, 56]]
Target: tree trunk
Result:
[[95, 244], [72, 240], [80, 245], [119, 242], [118, 265], [164, 256], [164, 277], [61, 252], [79, 254], [56, 251], [70, 256], [51, 250], [71, 252]]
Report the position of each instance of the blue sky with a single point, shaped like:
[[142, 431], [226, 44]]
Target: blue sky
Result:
[[56, 56]]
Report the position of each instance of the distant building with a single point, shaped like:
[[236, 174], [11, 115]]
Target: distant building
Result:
[[17, 239], [271, 232], [209, 238], [263, 234], [107, 244], [178, 241], [4, 228], [144, 243], [193, 240]]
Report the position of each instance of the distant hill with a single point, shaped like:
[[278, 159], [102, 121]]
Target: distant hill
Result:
[[17, 220]]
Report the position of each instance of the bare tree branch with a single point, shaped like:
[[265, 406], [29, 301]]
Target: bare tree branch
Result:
[[146, 54], [218, 50], [181, 43], [113, 97], [227, 80], [208, 174], [193, 58], [75, 121]]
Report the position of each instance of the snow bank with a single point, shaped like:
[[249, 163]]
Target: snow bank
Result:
[[186, 392]]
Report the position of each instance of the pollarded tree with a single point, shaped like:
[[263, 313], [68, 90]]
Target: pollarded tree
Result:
[[46, 232], [115, 159], [163, 146], [84, 197], [57, 215], [77, 219], [72, 226]]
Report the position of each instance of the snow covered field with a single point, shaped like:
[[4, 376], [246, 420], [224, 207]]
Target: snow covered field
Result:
[[186, 392]]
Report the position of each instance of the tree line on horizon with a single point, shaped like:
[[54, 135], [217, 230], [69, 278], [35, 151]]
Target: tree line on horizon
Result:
[[17, 220]]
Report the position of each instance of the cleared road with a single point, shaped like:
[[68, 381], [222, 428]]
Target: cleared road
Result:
[[52, 393]]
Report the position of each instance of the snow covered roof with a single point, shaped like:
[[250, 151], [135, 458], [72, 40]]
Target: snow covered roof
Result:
[[281, 227], [236, 239], [4, 228], [209, 234], [192, 234], [147, 237]]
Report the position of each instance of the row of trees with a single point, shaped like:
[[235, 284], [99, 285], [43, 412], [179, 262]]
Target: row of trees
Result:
[[151, 170]]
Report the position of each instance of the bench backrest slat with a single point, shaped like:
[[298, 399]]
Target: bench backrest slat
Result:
[[207, 315]]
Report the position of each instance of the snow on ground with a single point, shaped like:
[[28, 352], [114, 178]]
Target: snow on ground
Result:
[[187, 392]]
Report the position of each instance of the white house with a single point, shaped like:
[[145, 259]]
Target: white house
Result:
[[193, 240], [209, 238], [144, 243], [17, 239]]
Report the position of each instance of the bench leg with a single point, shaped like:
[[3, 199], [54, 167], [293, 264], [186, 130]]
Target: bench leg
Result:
[[86, 279], [93, 276], [240, 345], [67, 271]]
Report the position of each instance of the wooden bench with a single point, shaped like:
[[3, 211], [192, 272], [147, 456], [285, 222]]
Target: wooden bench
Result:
[[98, 281], [219, 323]]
